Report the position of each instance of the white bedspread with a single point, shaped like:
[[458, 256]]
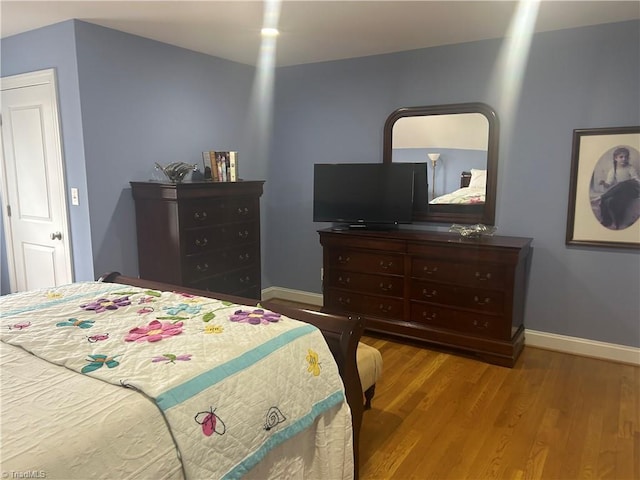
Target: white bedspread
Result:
[[239, 396]]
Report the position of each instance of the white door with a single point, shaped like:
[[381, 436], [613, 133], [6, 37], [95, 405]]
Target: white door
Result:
[[35, 207]]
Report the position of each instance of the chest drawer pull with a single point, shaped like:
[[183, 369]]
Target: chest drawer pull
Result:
[[385, 308], [429, 294], [344, 280], [429, 316], [483, 278], [429, 271], [386, 288], [386, 266], [478, 324], [344, 300], [200, 216], [201, 242], [245, 280], [243, 234], [343, 260], [243, 257], [202, 268], [482, 301], [243, 211]]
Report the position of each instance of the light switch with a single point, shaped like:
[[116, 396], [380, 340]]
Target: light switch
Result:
[[74, 197]]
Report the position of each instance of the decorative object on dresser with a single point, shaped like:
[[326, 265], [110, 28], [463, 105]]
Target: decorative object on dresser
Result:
[[176, 171], [222, 164], [436, 287], [203, 235]]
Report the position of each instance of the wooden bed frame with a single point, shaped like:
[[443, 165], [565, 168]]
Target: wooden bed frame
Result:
[[465, 179], [341, 333]]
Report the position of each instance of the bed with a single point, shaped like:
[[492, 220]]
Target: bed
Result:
[[470, 196], [124, 378]]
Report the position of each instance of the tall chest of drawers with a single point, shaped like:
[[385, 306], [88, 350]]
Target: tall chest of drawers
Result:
[[439, 288], [203, 235]]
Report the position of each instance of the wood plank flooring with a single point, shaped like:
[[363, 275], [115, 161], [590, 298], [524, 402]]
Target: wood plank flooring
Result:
[[553, 416]]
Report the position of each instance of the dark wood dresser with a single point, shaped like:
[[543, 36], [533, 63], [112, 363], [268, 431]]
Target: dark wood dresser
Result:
[[203, 235], [440, 288]]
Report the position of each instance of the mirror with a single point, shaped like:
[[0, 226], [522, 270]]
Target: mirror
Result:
[[458, 144]]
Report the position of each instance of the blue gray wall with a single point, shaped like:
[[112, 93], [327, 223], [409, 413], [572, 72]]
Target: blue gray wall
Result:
[[142, 101], [578, 78], [54, 47]]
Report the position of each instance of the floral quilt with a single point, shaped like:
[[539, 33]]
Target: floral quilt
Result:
[[462, 196], [231, 381]]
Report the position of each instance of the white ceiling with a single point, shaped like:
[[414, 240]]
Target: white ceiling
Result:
[[311, 30]]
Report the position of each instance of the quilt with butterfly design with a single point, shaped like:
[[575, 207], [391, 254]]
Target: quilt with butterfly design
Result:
[[232, 381]]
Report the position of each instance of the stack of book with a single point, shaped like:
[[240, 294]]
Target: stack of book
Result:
[[223, 165]]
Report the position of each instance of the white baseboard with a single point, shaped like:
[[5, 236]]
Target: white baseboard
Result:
[[532, 338], [292, 295], [583, 347]]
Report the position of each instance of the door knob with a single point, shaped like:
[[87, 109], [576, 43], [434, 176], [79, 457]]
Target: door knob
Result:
[[56, 235]]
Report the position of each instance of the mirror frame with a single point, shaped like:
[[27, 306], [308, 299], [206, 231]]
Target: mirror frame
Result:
[[487, 217]]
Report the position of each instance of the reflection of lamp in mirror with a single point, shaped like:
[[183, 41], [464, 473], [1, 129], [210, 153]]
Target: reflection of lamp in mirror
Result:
[[434, 157]]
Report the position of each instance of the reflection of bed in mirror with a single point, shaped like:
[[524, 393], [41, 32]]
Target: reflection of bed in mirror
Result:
[[470, 197], [465, 137]]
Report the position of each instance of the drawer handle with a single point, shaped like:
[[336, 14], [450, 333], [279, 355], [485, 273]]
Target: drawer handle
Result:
[[343, 260], [344, 280], [478, 324], [386, 288], [245, 279], [344, 301], [480, 301], [483, 278], [244, 234], [243, 211], [429, 294], [202, 268], [385, 308], [429, 271], [385, 266], [430, 316], [200, 216], [243, 257], [201, 242]]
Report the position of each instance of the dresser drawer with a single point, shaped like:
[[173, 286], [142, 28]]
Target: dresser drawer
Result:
[[434, 269], [345, 301], [214, 211], [392, 286], [483, 325], [369, 262], [489, 301], [428, 314], [218, 261], [433, 292], [477, 274], [460, 321], [230, 282], [483, 275], [206, 239], [486, 301]]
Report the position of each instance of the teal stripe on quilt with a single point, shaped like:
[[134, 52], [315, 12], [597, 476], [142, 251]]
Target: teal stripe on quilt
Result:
[[283, 435], [57, 301], [188, 389]]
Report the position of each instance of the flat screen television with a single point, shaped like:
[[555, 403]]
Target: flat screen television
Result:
[[363, 195]]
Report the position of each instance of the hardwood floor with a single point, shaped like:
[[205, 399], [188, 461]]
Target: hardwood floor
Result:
[[553, 416]]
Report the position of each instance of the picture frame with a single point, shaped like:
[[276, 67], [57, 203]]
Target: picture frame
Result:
[[604, 190]]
